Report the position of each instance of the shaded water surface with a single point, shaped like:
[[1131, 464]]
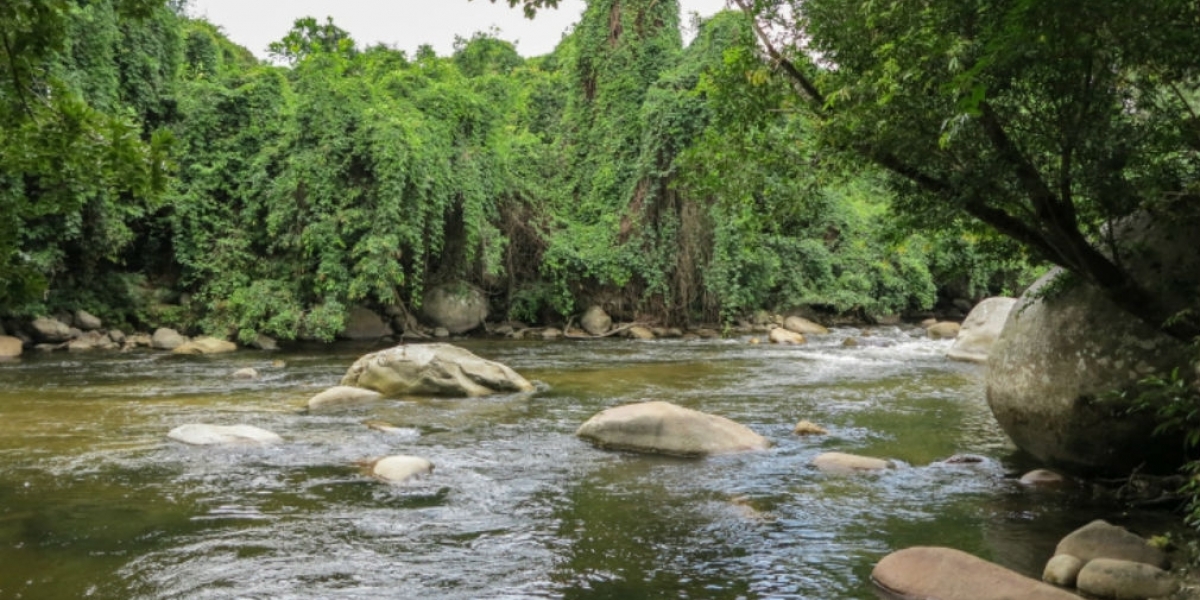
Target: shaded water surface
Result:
[[96, 503]]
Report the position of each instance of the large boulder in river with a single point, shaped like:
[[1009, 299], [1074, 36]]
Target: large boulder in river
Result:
[[364, 324], [458, 307], [432, 369], [1100, 539], [664, 428], [199, 434], [980, 330], [934, 573], [595, 321], [10, 347], [1066, 348]]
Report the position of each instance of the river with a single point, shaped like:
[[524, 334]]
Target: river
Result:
[[95, 502]]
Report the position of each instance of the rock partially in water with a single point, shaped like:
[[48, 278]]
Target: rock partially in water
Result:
[[595, 321], [1066, 347], [432, 369], [246, 373], [1100, 539], [804, 326], [165, 338], [10, 347], [204, 345], [944, 330], [1062, 570], [779, 335], [341, 396], [1124, 580], [399, 469], [664, 428], [809, 428], [936, 573], [199, 434], [264, 342], [980, 330], [639, 333], [1042, 477], [840, 462]]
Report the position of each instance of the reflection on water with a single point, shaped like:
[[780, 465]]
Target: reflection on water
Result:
[[94, 502]]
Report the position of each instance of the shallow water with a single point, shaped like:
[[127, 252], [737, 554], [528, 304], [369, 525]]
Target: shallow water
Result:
[[96, 503]]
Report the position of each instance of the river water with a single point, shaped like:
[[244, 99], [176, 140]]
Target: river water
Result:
[[95, 502]]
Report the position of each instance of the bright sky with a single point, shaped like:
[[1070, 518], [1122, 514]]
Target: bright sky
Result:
[[406, 24]]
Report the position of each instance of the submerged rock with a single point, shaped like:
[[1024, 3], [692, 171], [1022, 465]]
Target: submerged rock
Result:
[[246, 373], [398, 469], [199, 434], [1042, 477], [340, 396], [840, 462], [933, 573], [980, 330], [432, 369], [664, 428], [945, 330], [809, 428]]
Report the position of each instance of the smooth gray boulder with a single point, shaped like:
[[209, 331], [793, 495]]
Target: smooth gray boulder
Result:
[[165, 338], [1124, 580], [199, 434], [399, 469], [340, 396], [50, 331], [458, 307], [1066, 351], [432, 369], [935, 573], [364, 324], [595, 321], [1100, 539], [980, 330], [664, 428], [10, 347]]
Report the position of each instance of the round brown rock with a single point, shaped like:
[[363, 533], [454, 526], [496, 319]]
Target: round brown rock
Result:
[[840, 462]]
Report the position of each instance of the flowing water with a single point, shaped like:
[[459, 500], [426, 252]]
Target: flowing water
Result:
[[96, 503]]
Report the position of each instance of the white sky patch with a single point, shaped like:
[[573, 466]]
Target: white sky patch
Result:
[[406, 24]]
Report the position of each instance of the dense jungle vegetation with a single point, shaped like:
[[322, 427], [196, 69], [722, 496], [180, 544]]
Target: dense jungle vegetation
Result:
[[155, 173]]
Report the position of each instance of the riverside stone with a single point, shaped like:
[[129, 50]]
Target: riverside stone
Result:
[[1100, 539], [1062, 570], [1124, 580], [10, 347], [165, 338], [779, 335], [663, 428], [804, 326], [595, 321], [205, 345], [945, 330]]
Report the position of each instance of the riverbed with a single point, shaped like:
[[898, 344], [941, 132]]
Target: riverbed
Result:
[[95, 502]]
